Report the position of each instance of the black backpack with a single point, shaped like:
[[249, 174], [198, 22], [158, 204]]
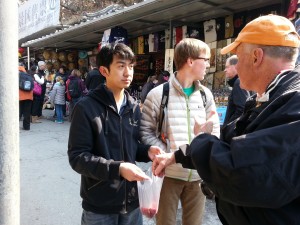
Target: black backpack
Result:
[[25, 81], [164, 103], [74, 88]]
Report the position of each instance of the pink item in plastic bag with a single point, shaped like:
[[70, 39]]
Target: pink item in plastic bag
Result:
[[149, 194]]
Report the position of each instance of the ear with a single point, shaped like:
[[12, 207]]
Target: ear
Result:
[[104, 71], [257, 56], [189, 61]]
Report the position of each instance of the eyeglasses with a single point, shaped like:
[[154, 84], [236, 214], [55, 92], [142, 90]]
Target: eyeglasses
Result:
[[205, 59]]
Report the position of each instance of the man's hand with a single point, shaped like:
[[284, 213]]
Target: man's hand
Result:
[[131, 172], [206, 127], [153, 151], [161, 162]]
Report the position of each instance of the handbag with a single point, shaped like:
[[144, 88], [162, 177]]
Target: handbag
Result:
[[37, 88]]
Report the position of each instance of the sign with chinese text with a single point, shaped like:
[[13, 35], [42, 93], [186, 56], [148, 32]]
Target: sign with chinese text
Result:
[[37, 15]]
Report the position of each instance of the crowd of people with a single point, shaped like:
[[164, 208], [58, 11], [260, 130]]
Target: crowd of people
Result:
[[61, 90]]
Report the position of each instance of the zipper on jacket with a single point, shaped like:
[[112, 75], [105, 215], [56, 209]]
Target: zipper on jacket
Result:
[[189, 128], [123, 155]]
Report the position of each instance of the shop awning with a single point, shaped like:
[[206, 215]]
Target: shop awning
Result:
[[144, 18]]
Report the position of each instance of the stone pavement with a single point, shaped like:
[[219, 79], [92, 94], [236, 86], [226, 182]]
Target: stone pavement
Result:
[[49, 187]]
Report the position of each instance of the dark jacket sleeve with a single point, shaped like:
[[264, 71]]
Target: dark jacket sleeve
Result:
[[183, 156], [142, 153], [259, 169], [80, 152], [88, 80], [239, 97]]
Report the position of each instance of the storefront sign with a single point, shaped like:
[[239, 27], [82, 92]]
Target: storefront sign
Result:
[[37, 15]]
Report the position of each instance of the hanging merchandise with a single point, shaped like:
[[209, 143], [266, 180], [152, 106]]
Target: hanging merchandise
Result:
[[184, 32], [71, 57], [56, 65], [213, 53], [229, 29], [46, 55], [178, 36], [54, 55], [169, 56], [118, 34], [220, 28], [167, 38], [81, 62], [210, 33], [239, 22], [161, 40], [140, 41], [71, 66], [151, 42], [62, 56], [105, 38], [49, 66], [82, 54]]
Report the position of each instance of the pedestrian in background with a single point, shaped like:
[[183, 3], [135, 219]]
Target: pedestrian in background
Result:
[[58, 98], [75, 89], [38, 100], [254, 169], [25, 102], [94, 78], [238, 96], [148, 86], [162, 78]]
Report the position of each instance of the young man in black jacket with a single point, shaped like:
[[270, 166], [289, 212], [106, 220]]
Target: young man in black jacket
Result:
[[103, 144], [254, 169]]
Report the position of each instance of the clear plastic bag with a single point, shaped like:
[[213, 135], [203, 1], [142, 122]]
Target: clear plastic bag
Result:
[[149, 193]]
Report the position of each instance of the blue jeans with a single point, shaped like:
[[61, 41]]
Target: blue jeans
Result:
[[59, 112], [132, 218]]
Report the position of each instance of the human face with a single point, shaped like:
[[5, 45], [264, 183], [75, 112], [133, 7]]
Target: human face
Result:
[[244, 67], [201, 64], [61, 71], [120, 73], [230, 70], [42, 67]]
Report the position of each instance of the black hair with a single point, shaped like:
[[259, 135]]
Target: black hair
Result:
[[107, 53], [161, 76]]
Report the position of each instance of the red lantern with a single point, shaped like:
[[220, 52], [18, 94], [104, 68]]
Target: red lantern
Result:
[[21, 50]]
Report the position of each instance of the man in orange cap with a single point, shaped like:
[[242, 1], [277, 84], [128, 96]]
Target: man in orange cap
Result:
[[254, 169]]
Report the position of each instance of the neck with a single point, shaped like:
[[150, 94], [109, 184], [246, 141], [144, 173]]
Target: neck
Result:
[[118, 93], [184, 79], [269, 73]]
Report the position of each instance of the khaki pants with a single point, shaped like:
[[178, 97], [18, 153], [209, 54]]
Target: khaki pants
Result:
[[192, 201]]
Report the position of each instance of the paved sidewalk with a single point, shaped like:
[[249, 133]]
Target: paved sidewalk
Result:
[[49, 187]]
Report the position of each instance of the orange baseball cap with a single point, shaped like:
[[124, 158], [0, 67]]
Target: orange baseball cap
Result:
[[266, 30]]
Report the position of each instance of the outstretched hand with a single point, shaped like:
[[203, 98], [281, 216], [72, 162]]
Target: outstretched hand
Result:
[[161, 162], [131, 172], [153, 151], [206, 127]]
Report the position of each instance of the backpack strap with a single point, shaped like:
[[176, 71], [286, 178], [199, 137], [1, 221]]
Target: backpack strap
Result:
[[203, 96], [164, 103]]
